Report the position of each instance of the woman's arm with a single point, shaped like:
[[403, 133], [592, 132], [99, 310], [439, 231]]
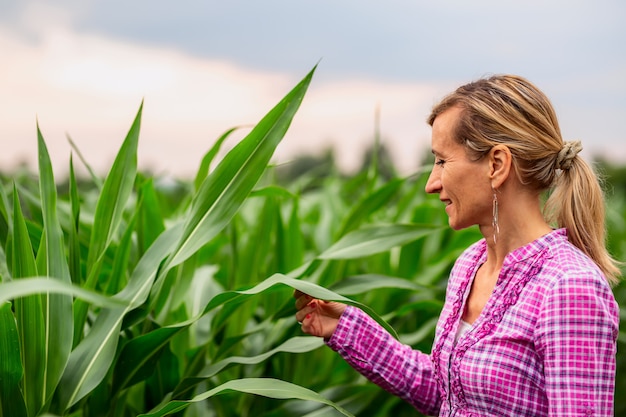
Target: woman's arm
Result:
[[372, 351]]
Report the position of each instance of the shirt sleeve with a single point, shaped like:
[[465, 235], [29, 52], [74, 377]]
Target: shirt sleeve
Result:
[[377, 355], [577, 333]]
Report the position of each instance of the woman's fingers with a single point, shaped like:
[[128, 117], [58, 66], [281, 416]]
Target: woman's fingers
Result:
[[302, 300], [305, 310]]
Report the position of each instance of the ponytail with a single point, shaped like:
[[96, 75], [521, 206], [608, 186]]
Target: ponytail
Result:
[[577, 204]]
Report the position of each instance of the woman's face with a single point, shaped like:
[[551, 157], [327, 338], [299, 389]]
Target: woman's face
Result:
[[462, 184]]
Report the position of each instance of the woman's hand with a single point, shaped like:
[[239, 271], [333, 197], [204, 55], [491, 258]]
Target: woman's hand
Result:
[[317, 317]]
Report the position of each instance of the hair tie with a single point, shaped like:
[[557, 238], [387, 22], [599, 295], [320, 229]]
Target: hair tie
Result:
[[567, 154]]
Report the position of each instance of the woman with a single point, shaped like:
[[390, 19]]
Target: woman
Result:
[[529, 325]]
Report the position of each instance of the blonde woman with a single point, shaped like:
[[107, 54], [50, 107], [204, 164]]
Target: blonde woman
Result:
[[529, 325]]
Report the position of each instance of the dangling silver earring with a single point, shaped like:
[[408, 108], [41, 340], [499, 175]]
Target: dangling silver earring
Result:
[[494, 221]]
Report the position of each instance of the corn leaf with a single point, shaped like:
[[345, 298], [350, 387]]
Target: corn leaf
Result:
[[224, 190], [73, 239], [373, 239], [43, 285], [205, 164], [11, 399], [29, 314], [360, 284], [93, 356], [116, 190], [297, 344], [150, 221], [57, 308], [290, 241], [266, 387], [139, 356], [276, 280], [5, 218], [95, 178]]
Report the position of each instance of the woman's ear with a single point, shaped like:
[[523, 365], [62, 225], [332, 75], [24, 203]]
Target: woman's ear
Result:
[[500, 161]]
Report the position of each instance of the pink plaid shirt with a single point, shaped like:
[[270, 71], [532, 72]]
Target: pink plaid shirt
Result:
[[544, 345]]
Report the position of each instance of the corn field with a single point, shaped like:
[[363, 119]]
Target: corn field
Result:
[[132, 296]]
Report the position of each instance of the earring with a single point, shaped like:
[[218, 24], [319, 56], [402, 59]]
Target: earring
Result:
[[494, 221]]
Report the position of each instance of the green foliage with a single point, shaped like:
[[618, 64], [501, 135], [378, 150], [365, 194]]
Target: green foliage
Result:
[[130, 295]]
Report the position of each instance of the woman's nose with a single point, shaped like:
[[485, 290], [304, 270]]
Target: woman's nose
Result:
[[433, 185]]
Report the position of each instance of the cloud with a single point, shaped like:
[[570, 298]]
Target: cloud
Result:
[[90, 87], [88, 82]]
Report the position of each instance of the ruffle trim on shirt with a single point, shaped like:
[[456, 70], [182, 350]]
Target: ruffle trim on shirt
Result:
[[522, 273], [488, 325]]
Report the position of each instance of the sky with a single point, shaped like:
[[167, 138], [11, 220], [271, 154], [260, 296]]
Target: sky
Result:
[[81, 69]]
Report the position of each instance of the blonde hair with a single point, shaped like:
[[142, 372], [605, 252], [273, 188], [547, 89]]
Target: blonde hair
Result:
[[509, 110]]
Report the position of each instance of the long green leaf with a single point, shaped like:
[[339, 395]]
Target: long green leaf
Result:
[[57, 308], [11, 399], [116, 190], [267, 387], [137, 359], [74, 241], [95, 178], [93, 356], [42, 285], [373, 239], [150, 222], [294, 345], [360, 284], [306, 287], [5, 218], [225, 189], [205, 164], [29, 314]]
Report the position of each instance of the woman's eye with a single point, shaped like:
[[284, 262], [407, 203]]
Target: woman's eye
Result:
[[439, 162]]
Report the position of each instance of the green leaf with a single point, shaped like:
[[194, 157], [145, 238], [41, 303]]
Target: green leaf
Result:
[[373, 239], [290, 241], [29, 314], [119, 268], [306, 287], [225, 189], [360, 284], [109, 211], [95, 178], [294, 345], [205, 165], [150, 224], [93, 356], [11, 399], [5, 218], [138, 357], [43, 285], [74, 241], [115, 192], [57, 308], [266, 387]]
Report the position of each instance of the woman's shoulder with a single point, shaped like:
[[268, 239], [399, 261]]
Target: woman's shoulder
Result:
[[565, 265]]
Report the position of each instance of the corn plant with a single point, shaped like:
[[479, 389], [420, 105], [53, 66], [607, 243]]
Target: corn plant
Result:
[[131, 296]]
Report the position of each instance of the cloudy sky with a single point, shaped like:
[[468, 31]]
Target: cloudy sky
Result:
[[82, 67]]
